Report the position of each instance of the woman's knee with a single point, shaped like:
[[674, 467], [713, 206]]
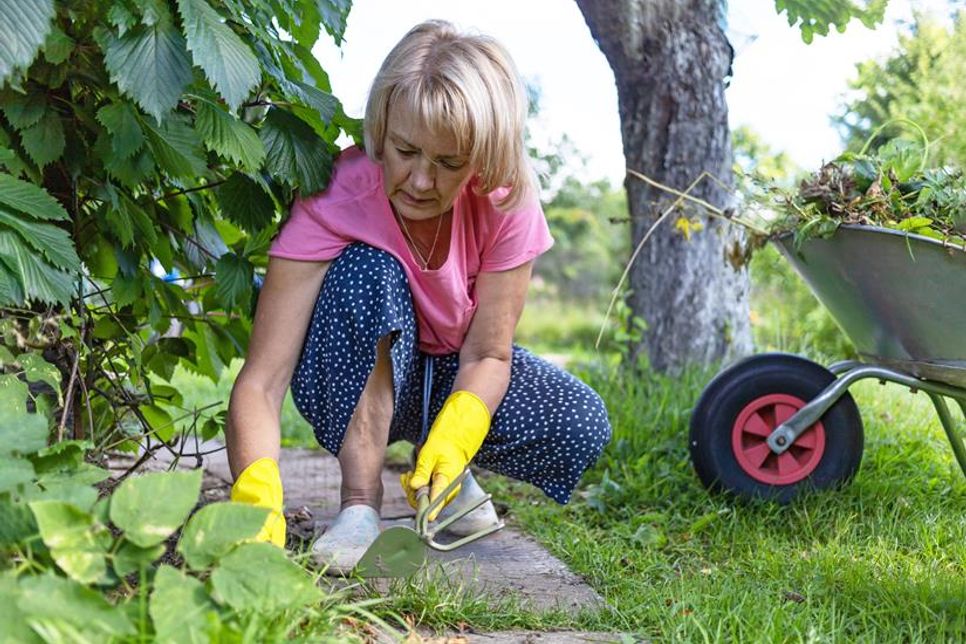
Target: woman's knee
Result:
[[361, 265]]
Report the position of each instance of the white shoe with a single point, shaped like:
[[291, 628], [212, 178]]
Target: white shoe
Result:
[[479, 519], [342, 545]]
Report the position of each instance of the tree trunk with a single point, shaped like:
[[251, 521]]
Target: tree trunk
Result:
[[670, 60]]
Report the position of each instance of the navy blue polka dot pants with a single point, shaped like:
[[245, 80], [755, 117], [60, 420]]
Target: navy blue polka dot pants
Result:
[[549, 428]]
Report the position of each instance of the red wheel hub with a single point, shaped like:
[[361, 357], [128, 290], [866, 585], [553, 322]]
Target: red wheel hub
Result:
[[753, 426]]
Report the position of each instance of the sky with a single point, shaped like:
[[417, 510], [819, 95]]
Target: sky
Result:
[[782, 88]]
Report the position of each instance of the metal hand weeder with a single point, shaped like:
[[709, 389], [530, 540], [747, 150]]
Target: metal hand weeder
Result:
[[400, 551]]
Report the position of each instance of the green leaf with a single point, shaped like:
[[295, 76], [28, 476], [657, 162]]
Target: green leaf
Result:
[[206, 361], [62, 456], [228, 63], [132, 558], [40, 280], [13, 400], [15, 626], [126, 289], [20, 432], [136, 511], [36, 369], [77, 542], [14, 472], [229, 136], [120, 224], [151, 65], [22, 110], [23, 27], [259, 577], [180, 608], [11, 290], [217, 528], [233, 275], [176, 149], [161, 422], [912, 223], [308, 24], [31, 199], [48, 599], [55, 243], [326, 104], [245, 202], [121, 17], [309, 63], [334, 15], [44, 141], [121, 121], [296, 154], [17, 523], [58, 47]]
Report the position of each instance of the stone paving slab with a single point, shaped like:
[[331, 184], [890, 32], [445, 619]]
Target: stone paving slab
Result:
[[505, 565]]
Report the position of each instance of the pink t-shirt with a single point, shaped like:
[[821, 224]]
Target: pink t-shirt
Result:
[[354, 207]]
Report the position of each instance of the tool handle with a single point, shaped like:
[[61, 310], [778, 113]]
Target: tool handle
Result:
[[422, 504]]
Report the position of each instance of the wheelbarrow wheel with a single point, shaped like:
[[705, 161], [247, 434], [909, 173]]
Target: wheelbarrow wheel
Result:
[[742, 405]]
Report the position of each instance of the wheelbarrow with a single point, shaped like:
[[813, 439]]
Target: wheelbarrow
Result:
[[773, 425]]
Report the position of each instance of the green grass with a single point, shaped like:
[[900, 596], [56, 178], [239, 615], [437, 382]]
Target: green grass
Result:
[[550, 326], [880, 560]]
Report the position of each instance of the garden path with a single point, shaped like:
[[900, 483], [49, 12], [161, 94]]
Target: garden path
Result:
[[506, 564]]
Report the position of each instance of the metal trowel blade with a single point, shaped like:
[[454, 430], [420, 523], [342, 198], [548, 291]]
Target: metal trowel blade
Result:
[[397, 552]]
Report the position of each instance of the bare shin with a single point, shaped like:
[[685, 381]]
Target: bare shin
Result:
[[364, 446]]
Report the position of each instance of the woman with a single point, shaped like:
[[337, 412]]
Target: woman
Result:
[[426, 243]]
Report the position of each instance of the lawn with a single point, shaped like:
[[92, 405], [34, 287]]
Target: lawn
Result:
[[880, 560]]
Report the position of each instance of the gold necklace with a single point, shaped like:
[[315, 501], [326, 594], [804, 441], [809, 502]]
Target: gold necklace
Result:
[[412, 242]]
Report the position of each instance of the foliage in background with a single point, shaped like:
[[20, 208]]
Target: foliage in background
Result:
[[754, 157], [587, 221], [921, 81], [147, 149], [785, 315], [814, 17]]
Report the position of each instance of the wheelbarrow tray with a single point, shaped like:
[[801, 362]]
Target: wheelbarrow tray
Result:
[[899, 297]]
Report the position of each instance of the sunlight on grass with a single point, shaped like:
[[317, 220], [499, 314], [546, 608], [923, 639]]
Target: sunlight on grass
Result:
[[879, 560]]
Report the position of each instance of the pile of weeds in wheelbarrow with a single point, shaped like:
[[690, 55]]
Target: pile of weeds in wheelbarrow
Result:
[[890, 188]]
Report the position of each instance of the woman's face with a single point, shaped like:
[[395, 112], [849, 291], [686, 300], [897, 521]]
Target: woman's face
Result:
[[423, 171]]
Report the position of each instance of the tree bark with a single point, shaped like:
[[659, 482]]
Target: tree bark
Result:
[[670, 60]]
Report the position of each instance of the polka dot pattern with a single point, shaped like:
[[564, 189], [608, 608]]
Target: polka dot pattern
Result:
[[548, 430]]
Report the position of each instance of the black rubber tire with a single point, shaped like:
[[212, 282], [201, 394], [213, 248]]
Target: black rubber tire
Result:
[[722, 400]]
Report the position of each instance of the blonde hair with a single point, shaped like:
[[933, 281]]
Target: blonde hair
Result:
[[465, 84]]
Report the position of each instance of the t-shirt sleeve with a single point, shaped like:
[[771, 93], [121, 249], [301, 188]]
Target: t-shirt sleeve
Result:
[[522, 234], [315, 229], [305, 235]]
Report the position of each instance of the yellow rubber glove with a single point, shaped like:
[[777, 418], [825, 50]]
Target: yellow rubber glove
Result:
[[453, 441], [260, 484]]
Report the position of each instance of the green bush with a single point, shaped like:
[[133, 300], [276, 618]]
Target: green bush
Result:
[[138, 564], [147, 153], [203, 399]]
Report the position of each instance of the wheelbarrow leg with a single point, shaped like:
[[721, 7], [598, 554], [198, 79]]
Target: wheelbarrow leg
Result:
[[952, 426]]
